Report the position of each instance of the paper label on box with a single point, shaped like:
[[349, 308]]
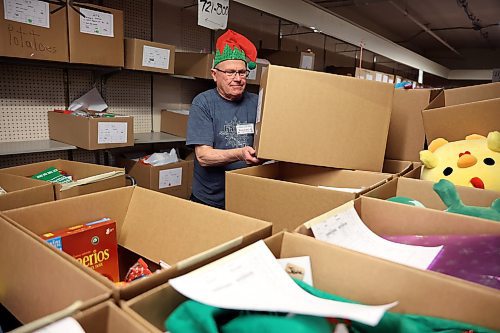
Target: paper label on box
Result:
[[111, 132], [96, 23], [170, 178], [213, 14], [32, 12], [495, 76], [369, 76], [306, 62], [242, 129], [155, 57], [253, 74], [378, 77], [385, 78]]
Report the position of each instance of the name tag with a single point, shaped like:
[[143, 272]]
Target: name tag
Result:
[[244, 129]]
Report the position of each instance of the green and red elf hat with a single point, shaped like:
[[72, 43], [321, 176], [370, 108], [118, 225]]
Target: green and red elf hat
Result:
[[233, 46]]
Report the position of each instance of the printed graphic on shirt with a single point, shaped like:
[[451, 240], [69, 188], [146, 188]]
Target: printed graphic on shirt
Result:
[[231, 137]]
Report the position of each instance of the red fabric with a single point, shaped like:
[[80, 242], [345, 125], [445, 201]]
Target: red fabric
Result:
[[234, 39]]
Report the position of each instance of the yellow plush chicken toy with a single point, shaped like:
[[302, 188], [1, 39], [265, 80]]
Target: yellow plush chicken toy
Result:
[[473, 162]]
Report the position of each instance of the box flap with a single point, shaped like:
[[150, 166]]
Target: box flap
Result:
[[454, 123]]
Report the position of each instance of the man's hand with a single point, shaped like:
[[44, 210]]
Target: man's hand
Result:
[[248, 155]]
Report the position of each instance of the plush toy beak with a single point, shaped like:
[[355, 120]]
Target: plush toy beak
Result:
[[466, 160]]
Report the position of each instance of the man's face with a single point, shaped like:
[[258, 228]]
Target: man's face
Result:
[[230, 87]]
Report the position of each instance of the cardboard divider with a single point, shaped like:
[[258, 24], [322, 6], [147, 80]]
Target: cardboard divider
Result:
[[287, 194], [35, 281], [155, 226], [322, 119], [406, 131], [78, 170], [357, 277], [422, 191], [22, 191], [91, 133], [398, 168]]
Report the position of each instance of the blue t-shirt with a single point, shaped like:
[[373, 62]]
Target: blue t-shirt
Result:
[[212, 122]]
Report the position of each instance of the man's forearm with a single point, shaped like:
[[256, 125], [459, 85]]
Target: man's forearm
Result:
[[208, 156]]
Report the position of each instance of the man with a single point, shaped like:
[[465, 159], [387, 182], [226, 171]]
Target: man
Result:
[[221, 120]]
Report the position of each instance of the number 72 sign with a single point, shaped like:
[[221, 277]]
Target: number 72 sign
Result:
[[213, 14]]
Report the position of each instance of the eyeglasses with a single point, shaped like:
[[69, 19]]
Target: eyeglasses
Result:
[[232, 73]]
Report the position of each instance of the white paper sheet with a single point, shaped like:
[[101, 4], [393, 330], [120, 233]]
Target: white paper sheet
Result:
[[344, 227], [96, 23], [342, 189], [306, 62], [170, 178], [32, 12], [378, 77], [301, 266], [111, 132], [92, 100], [252, 279], [213, 14], [385, 78], [155, 57], [369, 76], [65, 325]]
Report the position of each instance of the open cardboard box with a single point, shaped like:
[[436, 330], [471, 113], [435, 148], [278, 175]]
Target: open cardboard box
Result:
[[406, 131], [357, 277], [78, 170], [422, 191], [35, 281], [91, 133], [151, 225], [106, 47], [287, 194], [145, 55], [22, 191], [174, 122], [322, 119], [30, 41], [194, 64], [173, 178]]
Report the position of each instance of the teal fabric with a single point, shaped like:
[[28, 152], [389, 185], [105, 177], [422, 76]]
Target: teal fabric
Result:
[[195, 317]]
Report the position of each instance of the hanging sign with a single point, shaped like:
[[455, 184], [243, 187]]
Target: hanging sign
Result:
[[213, 14]]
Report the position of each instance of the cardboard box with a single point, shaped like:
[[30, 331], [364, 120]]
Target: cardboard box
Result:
[[288, 194], [36, 281], [174, 122], [256, 74], [463, 95], [421, 190], [455, 122], [78, 170], [22, 191], [322, 119], [104, 48], [357, 277], [304, 60], [149, 56], [46, 41], [107, 318], [91, 133], [406, 131], [174, 178], [393, 219], [194, 64], [151, 225]]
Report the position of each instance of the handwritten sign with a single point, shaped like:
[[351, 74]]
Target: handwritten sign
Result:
[[213, 14]]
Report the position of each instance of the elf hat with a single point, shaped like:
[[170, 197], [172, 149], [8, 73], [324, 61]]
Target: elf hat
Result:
[[233, 46]]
